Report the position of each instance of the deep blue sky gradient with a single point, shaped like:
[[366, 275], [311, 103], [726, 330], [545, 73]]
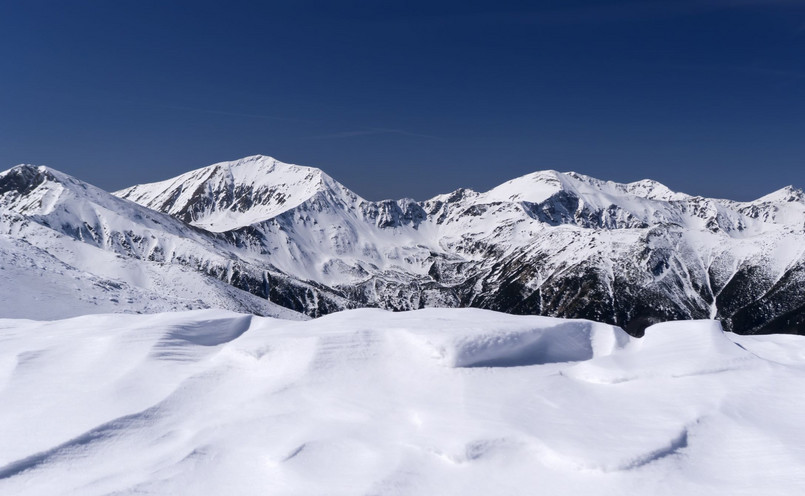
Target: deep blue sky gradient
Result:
[[410, 98]]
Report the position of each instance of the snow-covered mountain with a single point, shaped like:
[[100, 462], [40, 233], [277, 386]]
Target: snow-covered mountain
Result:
[[229, 195], [68, 248], [549, 243]]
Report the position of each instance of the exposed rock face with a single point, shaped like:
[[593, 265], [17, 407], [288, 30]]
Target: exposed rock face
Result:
[[549, 243]]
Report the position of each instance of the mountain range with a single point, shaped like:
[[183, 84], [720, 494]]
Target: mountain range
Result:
[[265, 237]]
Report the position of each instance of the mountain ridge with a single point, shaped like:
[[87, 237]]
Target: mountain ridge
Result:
[[550, 243]]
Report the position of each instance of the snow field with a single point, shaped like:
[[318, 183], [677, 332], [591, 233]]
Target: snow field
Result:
[[437, 401]]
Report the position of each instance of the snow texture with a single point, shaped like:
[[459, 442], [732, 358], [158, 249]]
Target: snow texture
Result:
[[435, 401]]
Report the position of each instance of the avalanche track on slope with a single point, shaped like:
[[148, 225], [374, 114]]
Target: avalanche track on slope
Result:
[[369, 402]]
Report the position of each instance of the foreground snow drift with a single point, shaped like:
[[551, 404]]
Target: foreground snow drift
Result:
[[370, 402]]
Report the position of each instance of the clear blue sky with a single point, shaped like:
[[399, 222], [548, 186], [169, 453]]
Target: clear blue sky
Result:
[[410, 98]]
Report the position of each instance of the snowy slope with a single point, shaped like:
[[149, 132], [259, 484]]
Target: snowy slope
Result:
[[68, 248], [214, 402], [37, 284]]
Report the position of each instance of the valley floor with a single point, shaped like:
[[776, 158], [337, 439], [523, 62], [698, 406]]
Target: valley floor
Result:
[[435, 401]]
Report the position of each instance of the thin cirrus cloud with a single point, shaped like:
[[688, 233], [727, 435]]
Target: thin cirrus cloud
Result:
[[233, 114], [372, 132], [614, 12]]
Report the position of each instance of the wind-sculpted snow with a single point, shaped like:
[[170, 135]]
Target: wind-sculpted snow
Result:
[[434, 401], [548, 243], [482, 345]]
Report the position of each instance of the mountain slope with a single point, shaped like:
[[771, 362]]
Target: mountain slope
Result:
[[59, 236], [548, 243]]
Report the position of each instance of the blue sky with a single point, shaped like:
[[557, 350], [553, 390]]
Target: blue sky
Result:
[[410, 98]]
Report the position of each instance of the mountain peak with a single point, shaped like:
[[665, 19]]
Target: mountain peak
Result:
[[786, 194], [20, 183], [539, 186], [22, 179], [535, 187], [263, 163], [68, 201], [233, 194], [653, 190]]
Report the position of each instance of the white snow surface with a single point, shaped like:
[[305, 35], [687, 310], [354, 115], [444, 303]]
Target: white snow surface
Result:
[[66, 278], [436, 401]]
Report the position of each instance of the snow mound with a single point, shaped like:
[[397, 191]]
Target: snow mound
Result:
[[433, 401], [527, 343], [470, 337], [672, 349]]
